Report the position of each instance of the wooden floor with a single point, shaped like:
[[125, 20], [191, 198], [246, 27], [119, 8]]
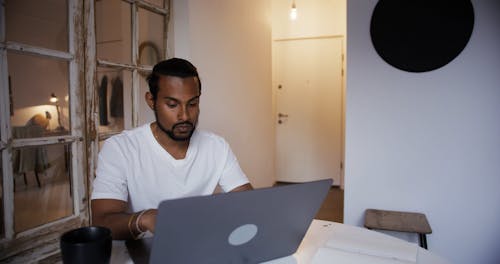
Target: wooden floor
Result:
[[34, 206], [332, 208]]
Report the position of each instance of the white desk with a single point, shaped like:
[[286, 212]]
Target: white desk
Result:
[[322, 234]]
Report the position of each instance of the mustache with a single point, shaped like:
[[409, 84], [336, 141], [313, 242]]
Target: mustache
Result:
[[182, 124]]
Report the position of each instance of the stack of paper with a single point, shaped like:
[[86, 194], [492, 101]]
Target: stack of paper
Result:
[[350, 244]]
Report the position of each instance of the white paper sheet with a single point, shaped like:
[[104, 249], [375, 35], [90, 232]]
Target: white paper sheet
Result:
[[366, 242], [334, 256]]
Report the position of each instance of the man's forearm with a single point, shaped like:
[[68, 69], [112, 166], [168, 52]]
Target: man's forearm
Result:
[[118, 223], [127, 226]]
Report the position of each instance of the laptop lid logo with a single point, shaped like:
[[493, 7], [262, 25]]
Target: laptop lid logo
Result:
[[242, 234]]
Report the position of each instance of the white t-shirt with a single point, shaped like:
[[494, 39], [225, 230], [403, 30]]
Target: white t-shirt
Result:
[[133, 167]]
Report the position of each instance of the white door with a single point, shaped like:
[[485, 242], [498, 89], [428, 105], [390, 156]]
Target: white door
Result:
[[309, 102]]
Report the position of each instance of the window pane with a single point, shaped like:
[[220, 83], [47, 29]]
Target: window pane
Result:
[[115, 99], [158, 3], [2, 224], [40, 96], [42, 185], [151, 37], [113, 31], [146, 115], [34, 22]]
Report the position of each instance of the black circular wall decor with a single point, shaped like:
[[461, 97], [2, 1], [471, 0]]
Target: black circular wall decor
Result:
[[421, 35]]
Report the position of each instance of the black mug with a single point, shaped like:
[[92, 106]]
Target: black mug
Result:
[[91, 244]]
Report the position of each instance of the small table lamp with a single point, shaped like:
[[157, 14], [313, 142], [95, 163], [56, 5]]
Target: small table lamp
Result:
[[55, 100]]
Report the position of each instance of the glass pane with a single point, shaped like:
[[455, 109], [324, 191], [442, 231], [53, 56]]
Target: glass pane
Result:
[[115, 99], [146, 115], [2, 224], [40, 96], [151, 37], [113, 31], [33, 22], [42, 185], [158, 3]]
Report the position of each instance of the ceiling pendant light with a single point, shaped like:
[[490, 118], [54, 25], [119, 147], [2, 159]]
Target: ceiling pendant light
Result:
[[293, 11]]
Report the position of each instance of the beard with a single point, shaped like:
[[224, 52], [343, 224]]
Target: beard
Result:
[[170, 132]]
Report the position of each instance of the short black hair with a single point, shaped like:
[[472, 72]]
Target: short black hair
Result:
[[172, 67]]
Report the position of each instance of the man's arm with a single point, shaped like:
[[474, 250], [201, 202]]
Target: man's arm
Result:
[[112, 214]]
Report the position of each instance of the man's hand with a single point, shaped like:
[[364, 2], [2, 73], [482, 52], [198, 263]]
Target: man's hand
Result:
[[244, 187], [148, 220]]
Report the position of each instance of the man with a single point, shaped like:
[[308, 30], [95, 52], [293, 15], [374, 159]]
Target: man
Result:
[[166, 159]]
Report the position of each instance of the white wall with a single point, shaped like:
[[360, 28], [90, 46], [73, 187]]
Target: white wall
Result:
[[229, 42], [315, 18], [428, 142]]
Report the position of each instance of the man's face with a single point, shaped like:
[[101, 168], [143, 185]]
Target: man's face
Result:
[[177, 106]]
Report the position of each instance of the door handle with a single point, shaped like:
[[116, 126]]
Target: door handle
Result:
[[281, 115]]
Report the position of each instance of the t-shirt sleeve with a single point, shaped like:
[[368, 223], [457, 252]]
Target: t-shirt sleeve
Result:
[[111, 173], [232, 175]]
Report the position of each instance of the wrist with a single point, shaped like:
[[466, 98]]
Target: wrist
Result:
[[144, 221], [136, 225], [138, 222], [132, 226]]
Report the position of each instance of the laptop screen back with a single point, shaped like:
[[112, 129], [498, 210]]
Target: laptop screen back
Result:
[[240, 227]]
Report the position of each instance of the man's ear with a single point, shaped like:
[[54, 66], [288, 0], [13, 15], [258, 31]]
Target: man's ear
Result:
[[149, 100]]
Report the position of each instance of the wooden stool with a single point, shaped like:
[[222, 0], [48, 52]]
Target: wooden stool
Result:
[[399, 221]]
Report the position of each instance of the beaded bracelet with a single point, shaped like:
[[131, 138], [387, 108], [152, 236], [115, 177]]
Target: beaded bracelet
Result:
[[138, 219], [129, 226]]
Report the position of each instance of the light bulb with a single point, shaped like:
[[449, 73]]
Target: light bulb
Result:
[[53, 98], [293, 12]]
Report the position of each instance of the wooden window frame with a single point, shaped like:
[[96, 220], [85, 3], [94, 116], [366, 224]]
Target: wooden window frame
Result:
[[42, 242], [134, 67]]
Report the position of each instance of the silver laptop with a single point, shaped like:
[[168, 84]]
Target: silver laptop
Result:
[[240, 227]]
